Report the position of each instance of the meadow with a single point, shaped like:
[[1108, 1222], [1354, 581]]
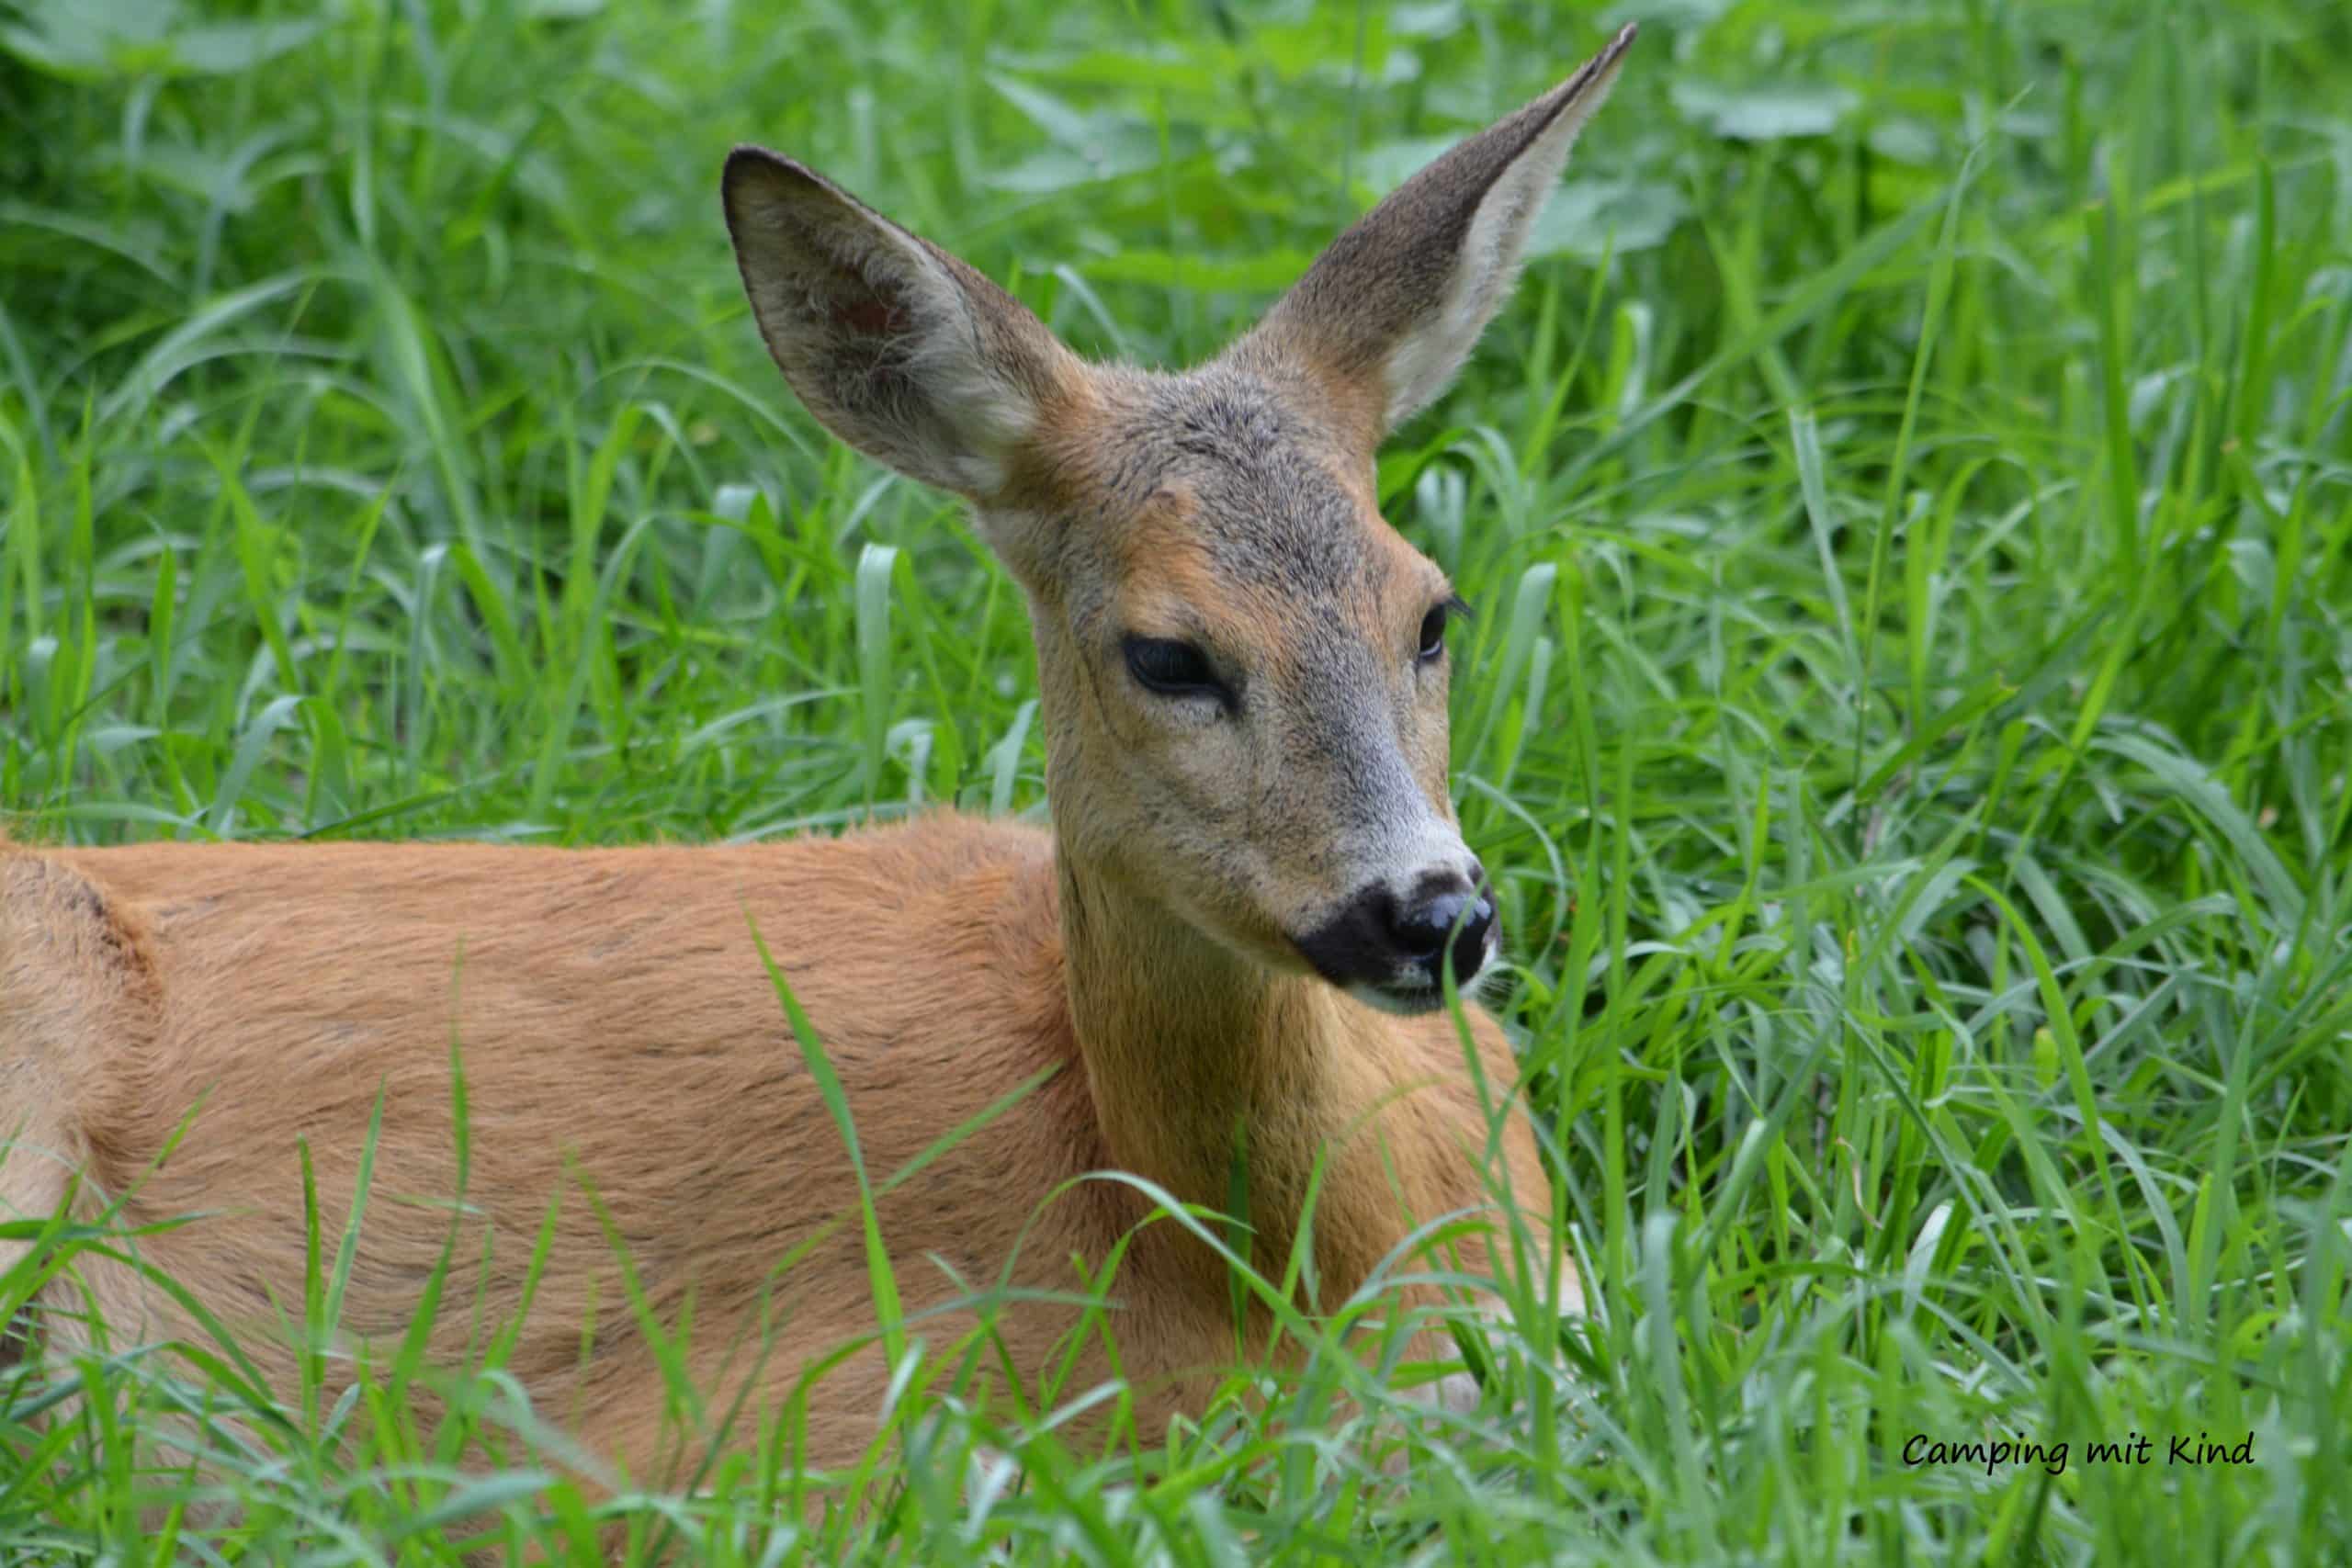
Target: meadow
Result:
[[1907, 719]]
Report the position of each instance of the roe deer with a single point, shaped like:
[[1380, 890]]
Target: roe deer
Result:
[[1233, 934]]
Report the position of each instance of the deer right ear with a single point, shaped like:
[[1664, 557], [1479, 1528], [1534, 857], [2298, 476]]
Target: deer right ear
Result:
[[1387, 314], [896, 346]]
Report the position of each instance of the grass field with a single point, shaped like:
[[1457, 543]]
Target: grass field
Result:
[[1908, 719]]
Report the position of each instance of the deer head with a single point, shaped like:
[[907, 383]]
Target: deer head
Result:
[[1243, 668]]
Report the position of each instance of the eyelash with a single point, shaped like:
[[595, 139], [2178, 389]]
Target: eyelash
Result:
[[1172, 669], [1434, 624], [1434, 636]]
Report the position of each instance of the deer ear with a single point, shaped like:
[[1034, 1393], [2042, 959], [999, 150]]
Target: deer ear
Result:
[[1387, 314], [896, 346]]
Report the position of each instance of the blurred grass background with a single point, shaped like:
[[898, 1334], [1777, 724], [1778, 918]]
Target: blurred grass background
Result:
[[1910, 496]]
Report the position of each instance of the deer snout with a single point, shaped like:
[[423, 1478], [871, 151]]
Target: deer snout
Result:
[[1389, 948], [1455, 913]]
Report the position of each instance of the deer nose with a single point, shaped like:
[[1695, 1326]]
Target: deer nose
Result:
[[1389, 947], [1447, 913]]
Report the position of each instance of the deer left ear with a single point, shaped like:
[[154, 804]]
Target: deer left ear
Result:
[[896, 346], [1388, 313]]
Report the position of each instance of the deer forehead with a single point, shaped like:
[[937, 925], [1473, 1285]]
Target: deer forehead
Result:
[[1219, 506]]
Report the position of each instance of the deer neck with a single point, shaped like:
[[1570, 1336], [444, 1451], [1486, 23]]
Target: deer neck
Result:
[[1189, 1047]]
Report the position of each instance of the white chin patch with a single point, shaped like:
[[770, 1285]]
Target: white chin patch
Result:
[[1412, 1001]]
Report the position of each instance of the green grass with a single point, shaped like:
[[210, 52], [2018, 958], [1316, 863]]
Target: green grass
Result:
[[1909, 723]]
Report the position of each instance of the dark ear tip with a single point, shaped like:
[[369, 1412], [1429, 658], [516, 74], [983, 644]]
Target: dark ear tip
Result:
[[1614, 50], [1598, 68], [748, 162]]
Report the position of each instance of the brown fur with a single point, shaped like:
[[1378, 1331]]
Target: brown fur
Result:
[[617, 1028], [615, 1020]]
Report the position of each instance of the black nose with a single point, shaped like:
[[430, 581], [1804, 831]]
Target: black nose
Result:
[[1445, 910], [1398, 946]]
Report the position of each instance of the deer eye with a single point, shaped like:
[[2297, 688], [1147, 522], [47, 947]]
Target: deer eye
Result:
[[1433, 633], [1171, 668]]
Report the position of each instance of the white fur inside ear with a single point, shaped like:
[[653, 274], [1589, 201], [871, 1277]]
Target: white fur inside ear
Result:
[[984, 415], [987, 415], [1492, 251], [966, 416]]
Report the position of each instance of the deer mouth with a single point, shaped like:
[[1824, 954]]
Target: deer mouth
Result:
[[1397, 965]]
